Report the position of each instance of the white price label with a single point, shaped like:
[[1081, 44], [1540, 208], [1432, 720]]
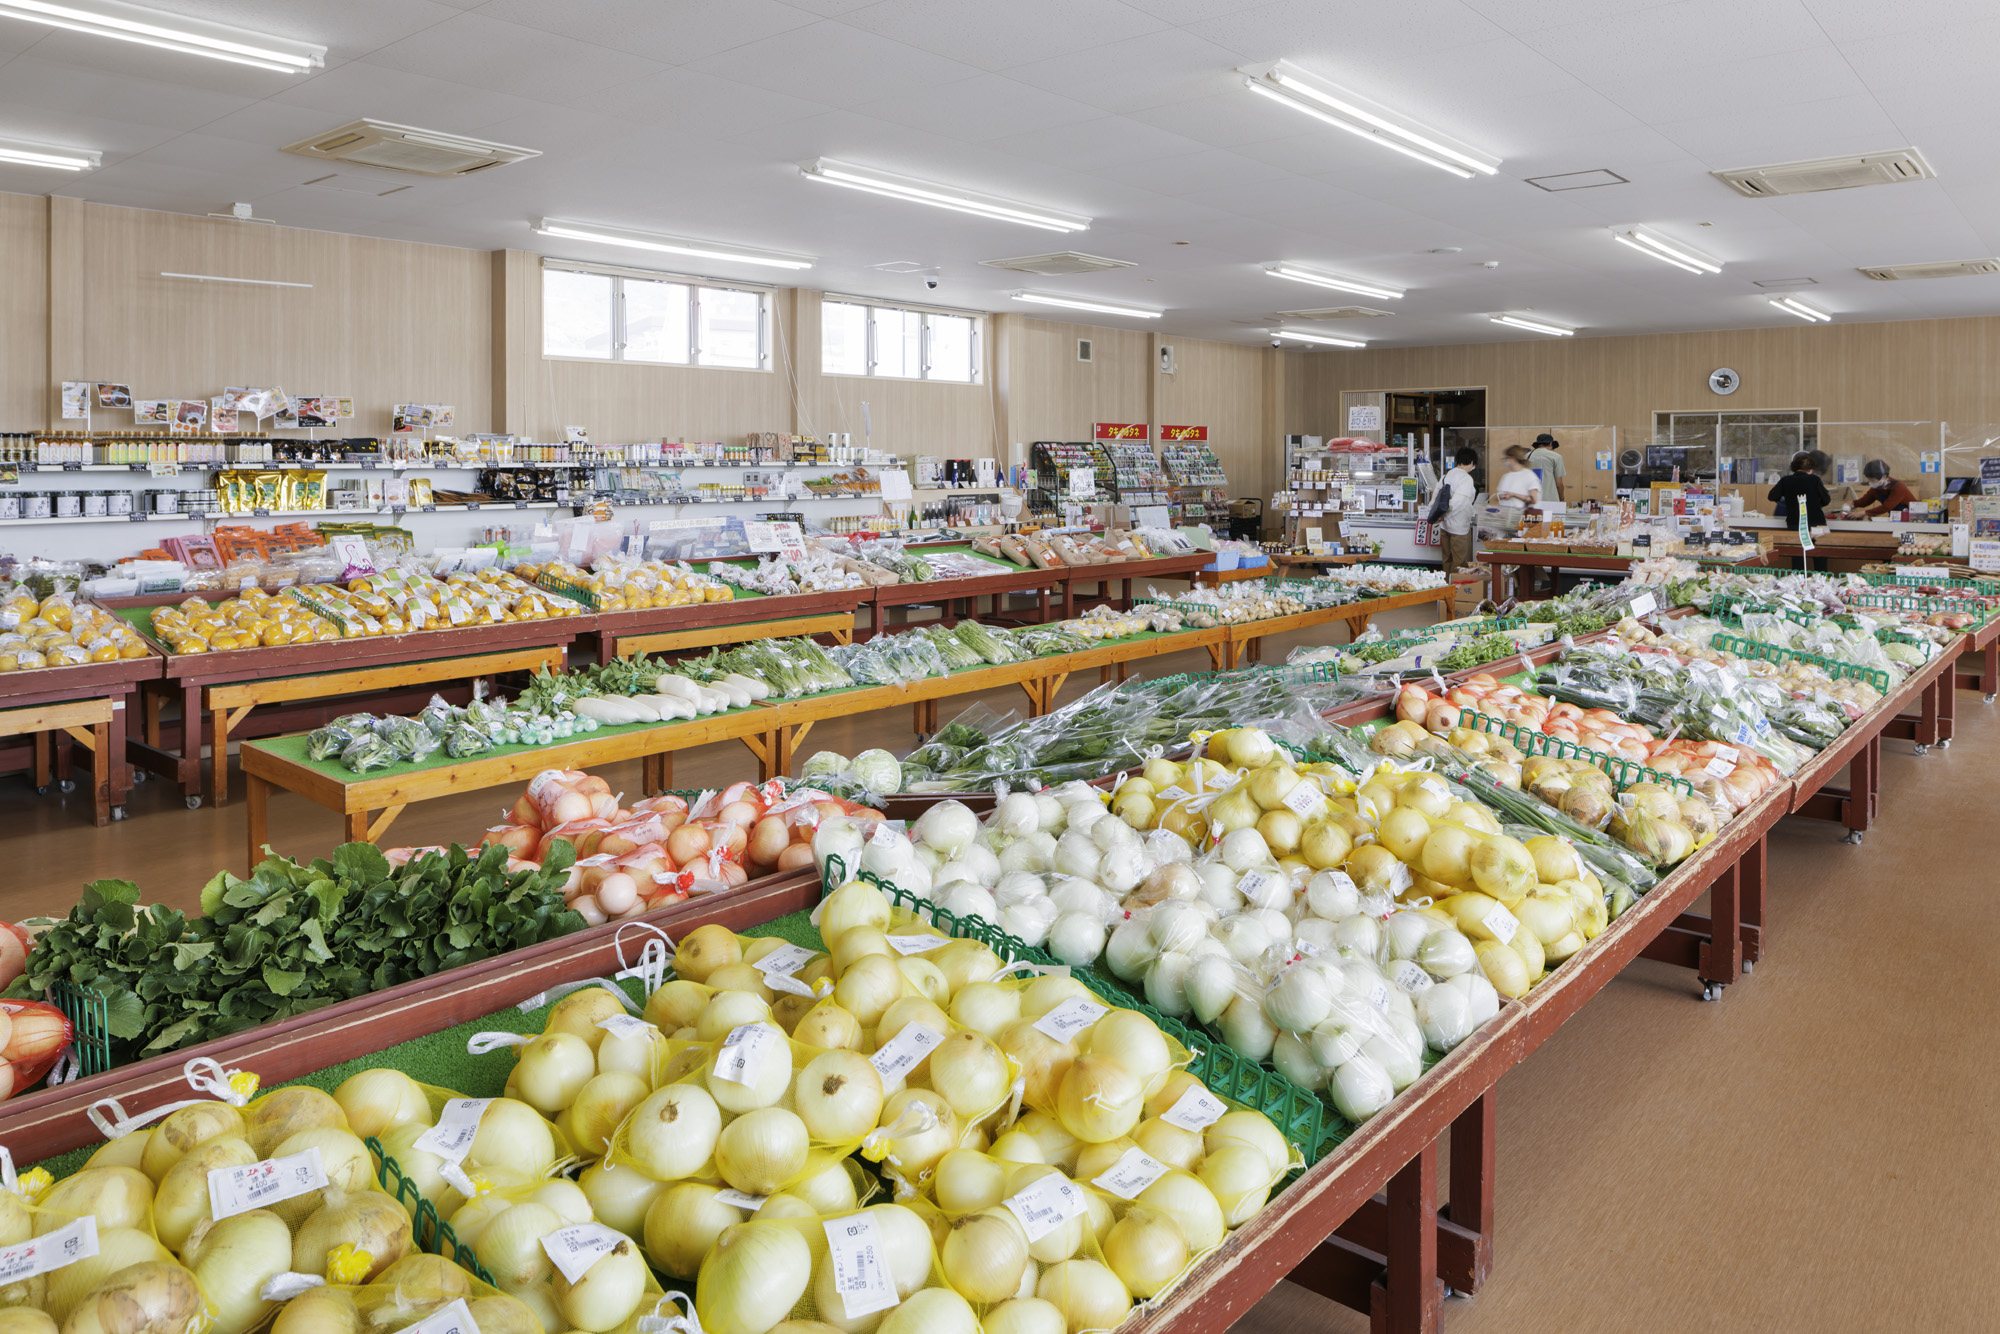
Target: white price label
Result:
[[1501, 923], [744, 1051], [625, 1025], [883, 833], [1251, 883], [238, 1190], [1719, 767], [786, 960], [66, 1245], [860, 1271], [1070, 1018], [457, 1126], [1435, 787], [1305, 949], [905, 1052], [1174, 792], [1306, 800], [1342, 880], [738, 1200], [1047, 1204], [1196, 1110], [1378, 996], [454, 1319], [1729, 753], [1132, 1173], [916, 944], [1409, 975], [1644, 604], [575, 1249]]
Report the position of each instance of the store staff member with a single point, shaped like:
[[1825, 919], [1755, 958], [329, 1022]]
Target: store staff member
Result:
[[1456, 541], [1549, 464], [1885, 493]]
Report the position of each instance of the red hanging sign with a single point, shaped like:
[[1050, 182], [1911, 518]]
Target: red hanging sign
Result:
[[1121, 430], [1183, 433]]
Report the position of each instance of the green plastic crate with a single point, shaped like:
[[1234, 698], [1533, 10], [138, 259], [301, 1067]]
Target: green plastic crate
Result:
[[1623, 772], [1304, 1121], [85, 1008], [430, 1232], [1838, 670]]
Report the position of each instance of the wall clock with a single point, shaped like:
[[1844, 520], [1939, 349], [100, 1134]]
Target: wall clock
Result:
[[1724, 381]]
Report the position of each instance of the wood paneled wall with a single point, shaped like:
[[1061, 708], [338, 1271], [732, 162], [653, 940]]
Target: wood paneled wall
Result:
[[24, 311], [1915, 370]]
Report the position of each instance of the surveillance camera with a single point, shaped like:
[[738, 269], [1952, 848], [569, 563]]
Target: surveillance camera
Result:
[[1277, 342], [931, 282]]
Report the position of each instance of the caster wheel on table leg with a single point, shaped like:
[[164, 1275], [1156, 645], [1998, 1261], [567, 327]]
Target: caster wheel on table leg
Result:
[[1987, 699], [1945, 744], [1710, 991], [43, 790], [1853, 836], [1749, 967], [1920, 750], [140, 776], [194, 802], [67, 786], [117, 812]]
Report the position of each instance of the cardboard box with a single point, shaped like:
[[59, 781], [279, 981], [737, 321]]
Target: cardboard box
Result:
[[1468, 587]]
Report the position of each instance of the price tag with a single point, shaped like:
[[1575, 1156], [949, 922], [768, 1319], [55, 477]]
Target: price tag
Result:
[[1132, 1173], [429, 509], [454, 1319], [785, 960], [905, 1052], [1719, 767], [260, 513], [136, 518], [520, 504], [1378, 996], [625, 1025], [238, 1190], [860, 1272], [916, 944], [1728, 753], [1046, 1204], [1342, 880], [1251, 883], [1306, 800], [1410, 977], [1501, 923], [72, 467], [1644, 604], [1305, 949], [575, 1249], [883, 834], [743, 1052], [457, 1126], [368, 464], [1175, 793], [1196, 1110], [66, 1245], [736, 1199], [1070, 1018], [471, 504]]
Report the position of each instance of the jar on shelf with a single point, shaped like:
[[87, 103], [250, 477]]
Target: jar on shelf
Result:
[[118, 504], [69, 505], [36, 505], [96, 504]]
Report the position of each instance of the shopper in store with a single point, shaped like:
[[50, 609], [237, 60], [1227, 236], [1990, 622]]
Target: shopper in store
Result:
[[1885, 494], [1548, 465], [1519, 487], [1461, 490], [1803, 483]]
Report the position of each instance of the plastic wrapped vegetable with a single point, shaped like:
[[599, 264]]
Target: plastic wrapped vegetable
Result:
[[439, 716], [325, 742], [369, 752], [465, 739]]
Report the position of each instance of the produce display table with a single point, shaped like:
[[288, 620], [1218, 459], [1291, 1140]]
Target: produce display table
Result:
[[1112, 660], [85, 703], [1217, 578], [1249, 635], [1510, 568], [951, 594], [280, 763], [1859, 749], [1290, 559], [1185, 566], [746, 616], [795, 717], [1981, 672]]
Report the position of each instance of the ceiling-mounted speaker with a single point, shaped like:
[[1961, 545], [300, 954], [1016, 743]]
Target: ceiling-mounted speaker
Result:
[[1630, 459], [1166, 359]]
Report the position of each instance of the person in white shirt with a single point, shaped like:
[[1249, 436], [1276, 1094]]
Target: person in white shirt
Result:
[[1549, 464], [1456, 541], [1519, 488]]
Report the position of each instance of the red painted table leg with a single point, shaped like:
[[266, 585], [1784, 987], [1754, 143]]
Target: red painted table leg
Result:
[[1465, 1224]]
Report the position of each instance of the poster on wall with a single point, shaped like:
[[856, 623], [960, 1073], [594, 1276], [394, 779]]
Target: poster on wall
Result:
[[276, 402], [233, 397], [405, 418], [344, 409], [1364, 417], [114, 395], [190, 415], [151, 412], [75, 398], [221, 420], [439, 414], [315, 412]]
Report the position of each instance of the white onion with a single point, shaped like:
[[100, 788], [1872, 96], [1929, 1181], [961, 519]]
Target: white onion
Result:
[[672, 1133], [1017, 815], [1030, 922], [962, 898], [1166, 984], [1445, 1014], [1358, 937], [1404, 934], [1122, 866], [1273, 921], [980, 862], [1017, 887], [1335, 1043], [1245, 1028], [1241, 849], [1129, 949], [1243, 936], [1333, 896], [1210, 985], [1077, 894], [1293, 1058], [1300, 1001], [838, 836], [1177, 926], [1360, 1088], [949, 826], [839, 1097], [1077, 938]]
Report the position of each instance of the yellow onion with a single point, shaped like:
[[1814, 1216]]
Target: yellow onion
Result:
[[233, 1259], [620, 1195], [827, 1025], [640, 1052], [471, 1219], [1099, 1099], [510, 1246], [283, 1113], [118, 1197], [1065, 1238], [319, 1311], [964, 962], [858, 942], [761, 1151], [1254, 1129], [1094, 1160], [566, 1198], [552, 1070], [150, 1298], [683, 1223], [183, 1130], [829, 1189], [967, 1180], [607, 1294], [984, 1255], [921, 1128], [182, 1201], [672, 1133], [932, 1311], [971, 1073], [1024, 1315], [1017, 1147], [1050, 990], [1193, 1207], [1057, 1144], [512, 1135], [1146, 1250], [742, 977], [1169, 1143], [924, 976], [502, 1314], [25, 1320], [676, 1004], [986, 1007], [600, 1105], [368, 1220], [431, 1275], [839, 1097], [1135, 1043], [770, 1075], [346, 1160], [869, 988], [116, 1248], [856, 903], [728, 1011], [1240, 1177], [751, 1278], [1043, 1061], [909, 1010], [705, 949], [421, 1168], [1087, 1293], [125, 1151], [540, 1300], [580, 1013]]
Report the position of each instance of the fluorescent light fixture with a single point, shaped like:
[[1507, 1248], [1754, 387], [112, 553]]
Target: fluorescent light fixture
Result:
[[828, 172], [170, 32], [1673, 252], [1533, 325], [1079, 303], [22, 153], [1336, 281], [1286, 83], [1328, 339], [216, 278], [1799, 308], [671, 245]]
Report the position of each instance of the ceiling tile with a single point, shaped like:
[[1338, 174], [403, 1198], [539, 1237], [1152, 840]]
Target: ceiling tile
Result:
[[479, 52], [1312, 33], [1149, 71], [360, 88], [835, 64], [673, 31], [1094, 145], [996, 37], [978, 109], [39, 80]]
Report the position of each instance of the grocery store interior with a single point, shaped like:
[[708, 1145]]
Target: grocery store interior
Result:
[[901, 667]]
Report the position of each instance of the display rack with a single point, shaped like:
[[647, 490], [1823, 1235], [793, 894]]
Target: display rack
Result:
[[1199, 487], [1052, 461], [1135, 475]]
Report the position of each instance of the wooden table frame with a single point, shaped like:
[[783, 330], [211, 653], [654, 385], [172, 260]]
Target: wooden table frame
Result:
[[1184, 566], [710, 623], [99, 686], [86, 721], [1983, 673], [1859, 749], [1508, 565], [1246, 637], [838, 624], [1217, 578], [949, 594]]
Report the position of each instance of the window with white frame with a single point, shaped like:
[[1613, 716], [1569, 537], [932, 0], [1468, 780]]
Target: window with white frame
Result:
[[613, 315], [899, 342]]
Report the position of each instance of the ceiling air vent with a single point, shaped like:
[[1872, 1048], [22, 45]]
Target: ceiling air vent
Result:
[[1057, 264], [1828, 173], [404, 148], [1955, 268], [1334, 313]]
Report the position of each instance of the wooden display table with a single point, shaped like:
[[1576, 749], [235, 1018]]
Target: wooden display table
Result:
[[86, 704], [1217, 578], [624, 634], [838, 624], [1246, 637], [1184, 566], [280, 763], [221, 689], [1509, 569], [1289, 559], [1979, 664], [958, 599]]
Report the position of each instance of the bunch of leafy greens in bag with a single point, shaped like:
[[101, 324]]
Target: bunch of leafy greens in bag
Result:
[[291, 938]]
